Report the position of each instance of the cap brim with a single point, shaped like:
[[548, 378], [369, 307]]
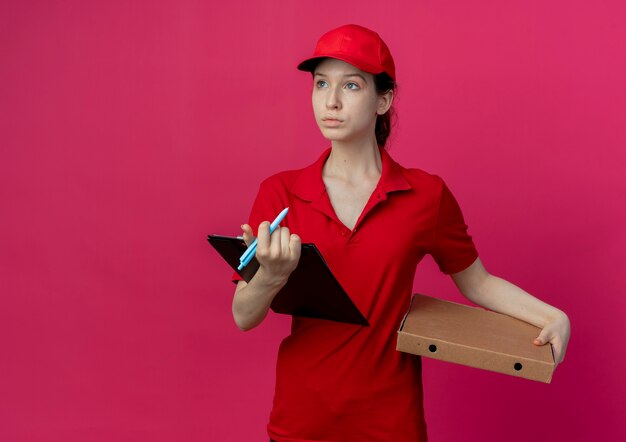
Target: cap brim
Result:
[[310, 64]]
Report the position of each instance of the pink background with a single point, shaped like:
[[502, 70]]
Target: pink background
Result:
[[130, 130]]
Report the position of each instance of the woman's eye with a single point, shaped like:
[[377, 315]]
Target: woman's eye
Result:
[[321, 83], [352, 86]]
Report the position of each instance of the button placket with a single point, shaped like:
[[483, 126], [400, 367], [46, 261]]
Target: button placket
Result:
[[346, 234]]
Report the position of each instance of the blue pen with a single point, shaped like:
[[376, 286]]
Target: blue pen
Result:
[[250, 251]]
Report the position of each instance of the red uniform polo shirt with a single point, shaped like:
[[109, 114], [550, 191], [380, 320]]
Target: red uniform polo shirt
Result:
[[341, 382]]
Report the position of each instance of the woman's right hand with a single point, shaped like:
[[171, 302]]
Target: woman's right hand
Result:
[[278, 254]]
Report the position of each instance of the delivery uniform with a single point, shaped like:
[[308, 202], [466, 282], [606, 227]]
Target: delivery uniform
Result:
[[341, 382]]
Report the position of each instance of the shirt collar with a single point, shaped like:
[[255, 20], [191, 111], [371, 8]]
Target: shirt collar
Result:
[[309, 186]]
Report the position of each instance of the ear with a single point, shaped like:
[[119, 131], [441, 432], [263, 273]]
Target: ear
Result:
[[384, 102]]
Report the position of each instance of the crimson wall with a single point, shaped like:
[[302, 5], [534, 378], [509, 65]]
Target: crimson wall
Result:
[[131, 130]]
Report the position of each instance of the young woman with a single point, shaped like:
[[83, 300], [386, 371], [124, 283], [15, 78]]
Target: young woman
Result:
[[373, 220]]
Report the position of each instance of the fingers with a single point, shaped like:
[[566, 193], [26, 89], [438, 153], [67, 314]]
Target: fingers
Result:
[[557, 333], [263, 239], [281, 245], [558, 351], [543, 337], [248, 237], [275, 249], [557, 348], [269, 245], [290, 244], [295, 246], [538, 341], [284, 241]]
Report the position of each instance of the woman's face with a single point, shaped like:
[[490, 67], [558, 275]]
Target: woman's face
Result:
[[345, 101]]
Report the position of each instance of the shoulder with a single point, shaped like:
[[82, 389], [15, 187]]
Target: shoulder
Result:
[[423, 182], [305, 182], [287, 178], [432, 190], [284, 183], [282, 180]]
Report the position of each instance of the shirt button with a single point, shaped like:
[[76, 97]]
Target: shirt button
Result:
[[343, 233]]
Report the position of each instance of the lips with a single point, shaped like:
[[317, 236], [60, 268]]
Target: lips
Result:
[[331, 122]]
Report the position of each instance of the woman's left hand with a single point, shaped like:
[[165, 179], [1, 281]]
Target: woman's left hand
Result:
[[557, 333]]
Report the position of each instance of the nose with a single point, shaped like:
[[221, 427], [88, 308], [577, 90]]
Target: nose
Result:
[[333, 100]]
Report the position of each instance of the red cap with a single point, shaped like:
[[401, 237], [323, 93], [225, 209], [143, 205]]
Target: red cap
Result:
[[356, 45]]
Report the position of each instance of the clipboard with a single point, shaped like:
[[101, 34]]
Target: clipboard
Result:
[[474, 337], [312, 290]]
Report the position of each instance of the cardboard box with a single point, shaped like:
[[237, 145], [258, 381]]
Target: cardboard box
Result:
[[474, 337]]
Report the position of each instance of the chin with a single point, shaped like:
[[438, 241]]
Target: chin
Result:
[[331, 135]]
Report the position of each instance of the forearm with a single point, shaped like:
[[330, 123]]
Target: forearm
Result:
[[252, 300], [501, 296], [278, 255]]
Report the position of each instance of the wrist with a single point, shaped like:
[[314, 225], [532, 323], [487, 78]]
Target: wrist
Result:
[[269, 280], [556, 316]]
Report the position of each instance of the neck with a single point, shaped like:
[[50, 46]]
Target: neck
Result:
[[354, 161]]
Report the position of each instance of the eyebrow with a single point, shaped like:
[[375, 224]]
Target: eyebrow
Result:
[[355, 74]]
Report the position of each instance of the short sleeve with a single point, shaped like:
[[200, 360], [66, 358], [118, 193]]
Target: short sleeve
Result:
[[267, 204], [453, 249]]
